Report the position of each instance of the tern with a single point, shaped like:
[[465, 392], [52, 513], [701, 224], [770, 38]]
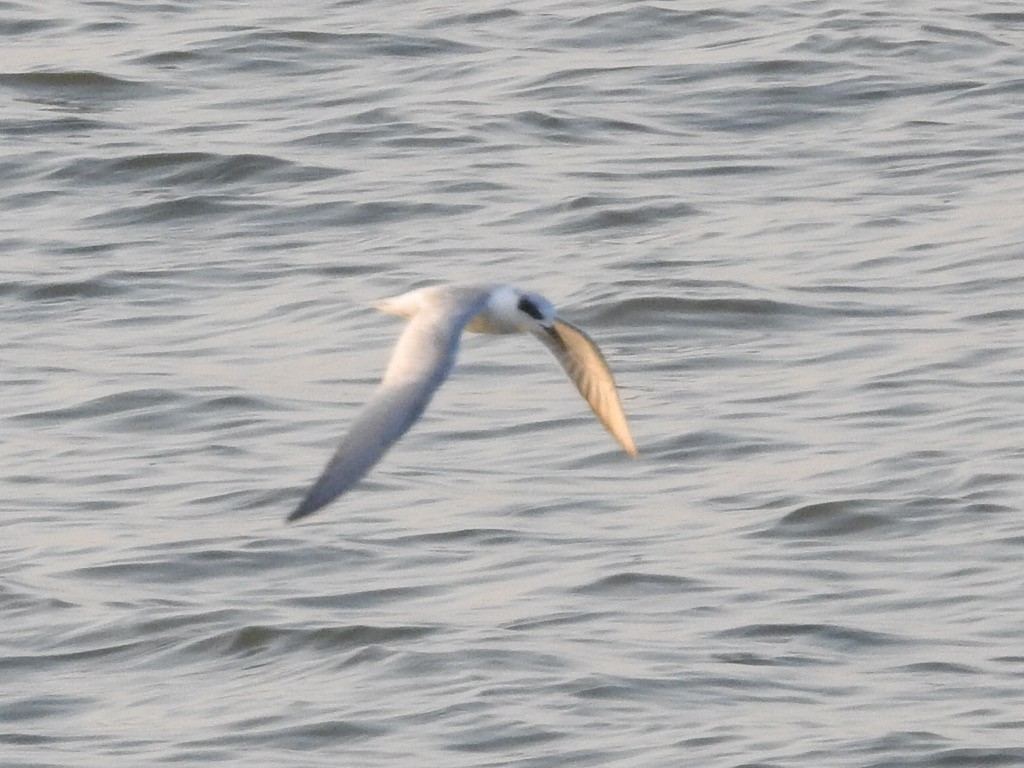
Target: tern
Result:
[[424, 355]]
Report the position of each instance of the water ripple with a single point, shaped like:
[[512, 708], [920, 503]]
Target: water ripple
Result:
[[794, 231]]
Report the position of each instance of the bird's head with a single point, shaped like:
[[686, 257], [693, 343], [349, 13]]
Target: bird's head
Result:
[[510, 310], [537, 308]]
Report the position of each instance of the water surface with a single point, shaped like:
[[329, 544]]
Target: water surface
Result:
[[795, 231]]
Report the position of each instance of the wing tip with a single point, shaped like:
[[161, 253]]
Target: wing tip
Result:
[[298, 514], [628, 445], [305, 509]]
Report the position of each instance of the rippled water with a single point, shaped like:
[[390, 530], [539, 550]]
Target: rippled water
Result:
[[795, 230]]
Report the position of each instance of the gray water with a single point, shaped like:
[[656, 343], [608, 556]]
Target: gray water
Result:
[[795, 230]]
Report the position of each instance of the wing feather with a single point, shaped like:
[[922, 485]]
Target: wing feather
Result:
[[588, 370], [385, 418], [421, 361]]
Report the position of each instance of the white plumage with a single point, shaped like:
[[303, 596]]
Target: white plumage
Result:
[[424, 355]]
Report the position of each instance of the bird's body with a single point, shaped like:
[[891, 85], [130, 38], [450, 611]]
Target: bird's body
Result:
[[424, 355]]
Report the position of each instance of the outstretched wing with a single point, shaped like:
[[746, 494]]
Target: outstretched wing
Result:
[[587, 369], [385, 418], [423, 356]]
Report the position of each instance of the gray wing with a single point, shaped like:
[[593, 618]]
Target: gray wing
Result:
[[587, 369], [423, 356], [390, 412]]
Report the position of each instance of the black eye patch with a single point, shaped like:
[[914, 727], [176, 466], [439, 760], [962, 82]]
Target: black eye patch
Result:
[[527, 306]]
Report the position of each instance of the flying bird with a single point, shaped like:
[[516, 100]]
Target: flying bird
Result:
[[424, 355]]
